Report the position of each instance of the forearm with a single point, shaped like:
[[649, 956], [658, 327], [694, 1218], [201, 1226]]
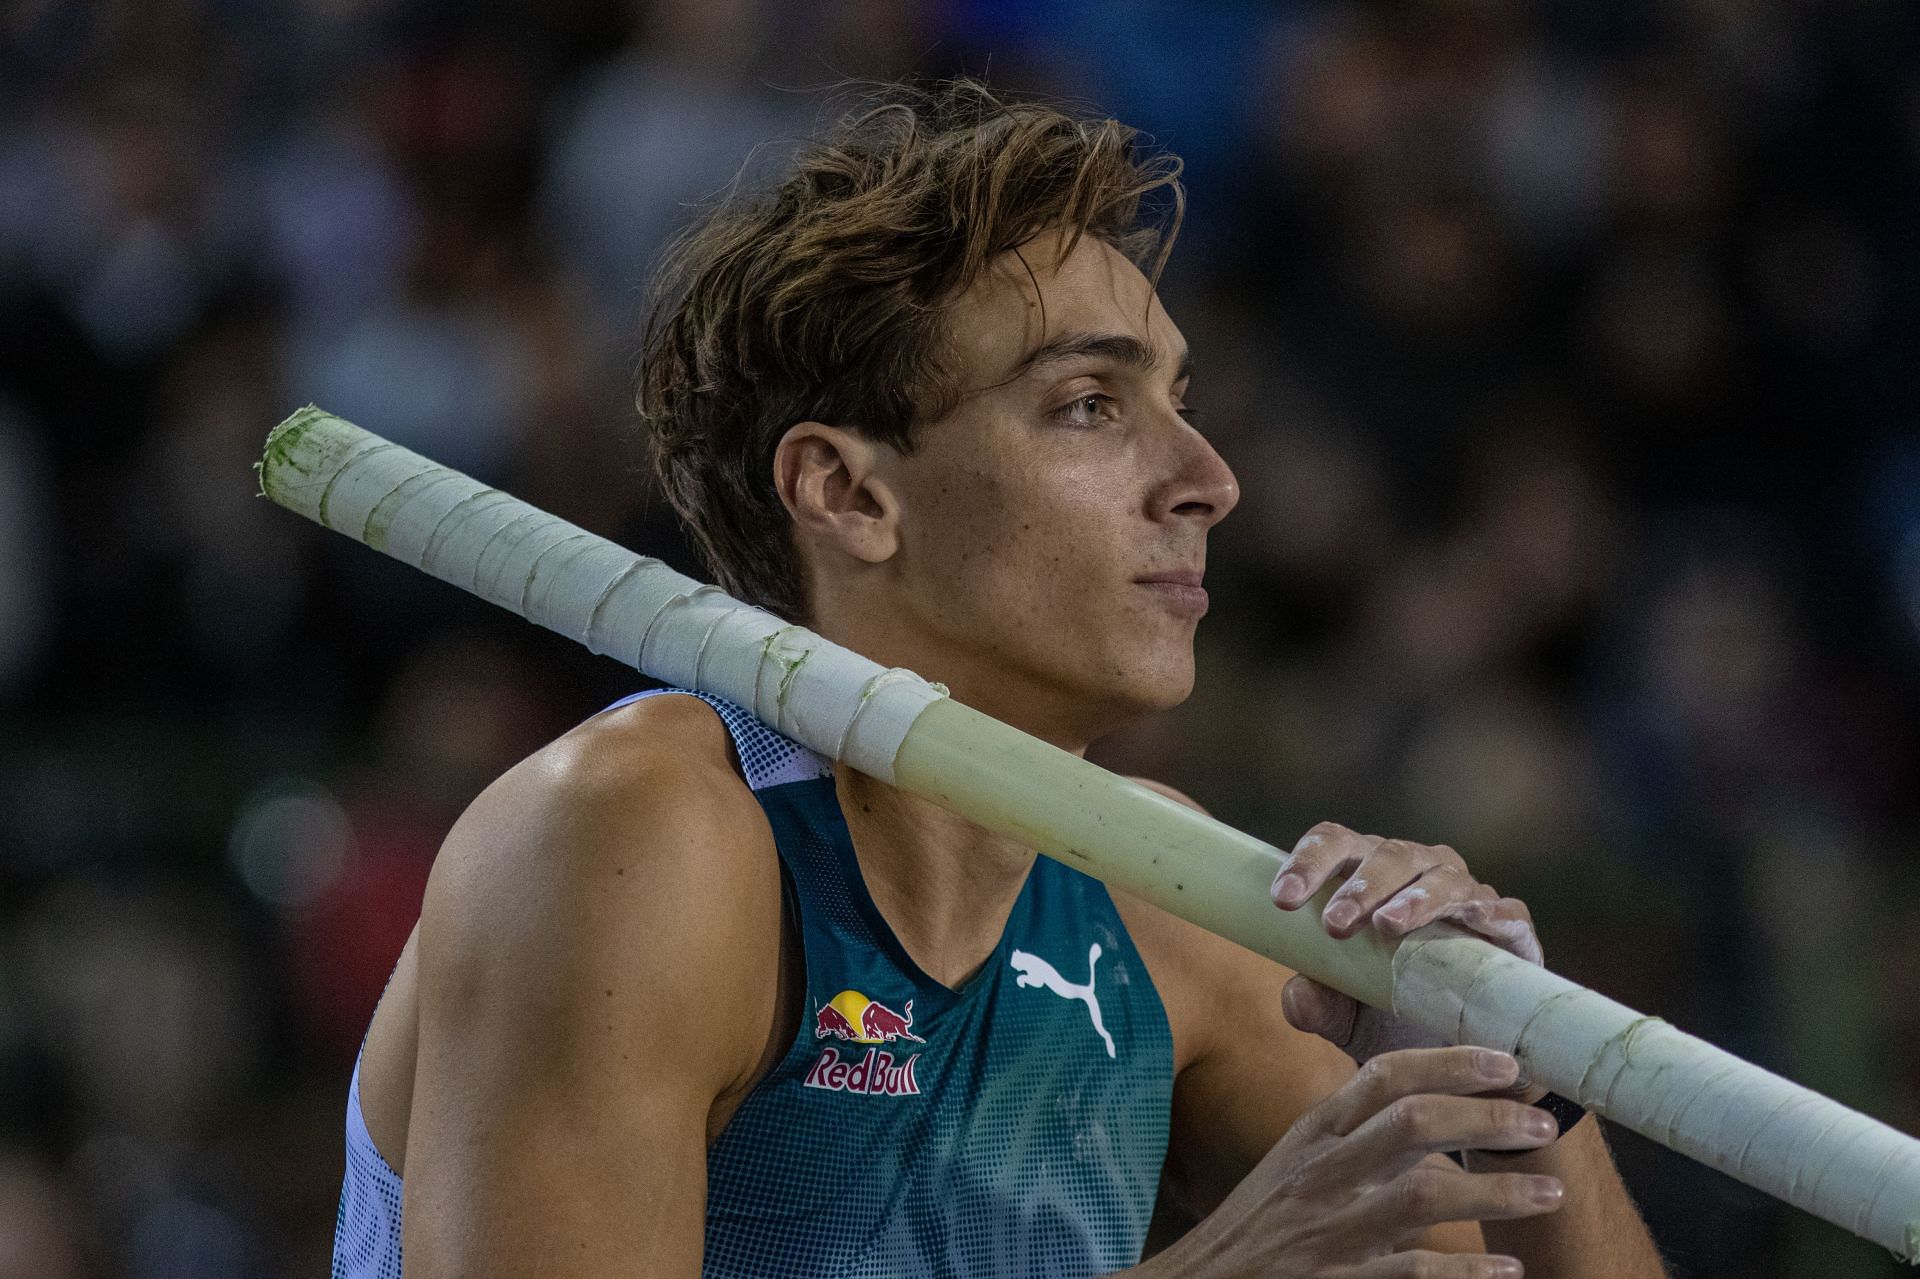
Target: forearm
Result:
[[1596, 1233]]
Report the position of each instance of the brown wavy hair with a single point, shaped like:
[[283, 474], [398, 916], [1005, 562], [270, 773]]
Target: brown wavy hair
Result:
[[824, 299]]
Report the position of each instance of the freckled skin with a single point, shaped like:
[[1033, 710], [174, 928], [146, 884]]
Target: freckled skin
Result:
[[1008, 568]]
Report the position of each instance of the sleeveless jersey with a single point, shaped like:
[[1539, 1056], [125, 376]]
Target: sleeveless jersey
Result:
[[1015, 1126]]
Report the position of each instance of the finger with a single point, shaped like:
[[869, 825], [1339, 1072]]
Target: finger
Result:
[[1505, 921], [1327, 850], [1393, 867], [1389, 866], [1406, 1131], [1319, 1010], [1443, 888], [1429, 1195], [1390, 1076], [1421, 1264]]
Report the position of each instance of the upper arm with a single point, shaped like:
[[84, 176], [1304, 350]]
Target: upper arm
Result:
[[597, 954], [1250, 1075]]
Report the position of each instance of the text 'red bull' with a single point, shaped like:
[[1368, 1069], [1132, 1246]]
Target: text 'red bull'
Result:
[[876, 1074]]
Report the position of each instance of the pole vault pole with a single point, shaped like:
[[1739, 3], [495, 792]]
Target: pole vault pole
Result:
[[1637, 1071]]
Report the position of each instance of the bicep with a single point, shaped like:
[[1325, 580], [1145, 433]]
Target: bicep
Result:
[[1256, 1081], [1251, 1082], [587, 992], [509, 1179], [1256, 1078]]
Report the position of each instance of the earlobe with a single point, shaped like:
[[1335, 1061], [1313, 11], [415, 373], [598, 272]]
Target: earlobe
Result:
[[827, 478]]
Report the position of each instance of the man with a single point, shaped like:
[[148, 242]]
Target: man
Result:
[[686, 998]]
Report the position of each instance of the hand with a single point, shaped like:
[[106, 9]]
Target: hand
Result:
[[1398, 886], [1349, 1181]]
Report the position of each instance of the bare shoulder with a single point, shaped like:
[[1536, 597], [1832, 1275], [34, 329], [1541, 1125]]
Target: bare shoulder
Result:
[[598, 964], [628, 850], [619, 794]]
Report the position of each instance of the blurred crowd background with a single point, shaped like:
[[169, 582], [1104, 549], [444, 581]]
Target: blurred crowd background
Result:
[[1566, 353]]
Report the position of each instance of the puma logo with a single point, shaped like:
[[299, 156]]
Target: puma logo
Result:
[[1035, 971]]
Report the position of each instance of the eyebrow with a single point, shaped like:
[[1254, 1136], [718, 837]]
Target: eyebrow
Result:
[[1121, 347]]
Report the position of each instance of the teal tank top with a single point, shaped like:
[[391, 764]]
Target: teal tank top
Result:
[[1014, 1127]]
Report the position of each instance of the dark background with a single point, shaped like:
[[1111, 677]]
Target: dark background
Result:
[[1565, 352]]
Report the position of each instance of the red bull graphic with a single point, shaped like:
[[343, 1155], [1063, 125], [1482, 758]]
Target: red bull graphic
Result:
[[831, 1023], [854, 1018], [877, 1021]]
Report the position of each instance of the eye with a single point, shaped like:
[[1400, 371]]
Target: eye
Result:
[[1083, 410]]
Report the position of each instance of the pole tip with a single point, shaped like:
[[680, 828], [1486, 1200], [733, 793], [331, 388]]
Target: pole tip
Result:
[[282, 441]]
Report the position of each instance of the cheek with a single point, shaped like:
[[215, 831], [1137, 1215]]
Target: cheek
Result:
[[1021, 538]]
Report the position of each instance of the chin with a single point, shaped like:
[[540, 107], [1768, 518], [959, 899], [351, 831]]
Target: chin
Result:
[[1151, 688], [1172, 693]]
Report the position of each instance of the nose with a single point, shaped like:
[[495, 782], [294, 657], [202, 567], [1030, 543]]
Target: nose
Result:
[[1199, 484]]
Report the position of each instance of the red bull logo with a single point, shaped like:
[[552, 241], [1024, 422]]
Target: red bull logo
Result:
[[854, 1018], [831, 1023]]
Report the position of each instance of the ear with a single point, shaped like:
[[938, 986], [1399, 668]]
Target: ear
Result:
[[828, 480]]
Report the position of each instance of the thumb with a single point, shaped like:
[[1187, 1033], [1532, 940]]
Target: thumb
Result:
[[1319, 1010]]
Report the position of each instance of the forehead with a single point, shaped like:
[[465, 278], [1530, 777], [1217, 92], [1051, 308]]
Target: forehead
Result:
[[1036, 293]]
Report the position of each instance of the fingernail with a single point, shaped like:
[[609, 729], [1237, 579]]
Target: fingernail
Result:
[[1545, 1191], [1505, 1268], [1541, 1124], [1289, 889], [1342, 913], [1495, 1067], [1393, 916]]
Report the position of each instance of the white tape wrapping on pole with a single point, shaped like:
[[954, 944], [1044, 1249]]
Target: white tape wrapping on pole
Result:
[[557, 575], [1668, 1085], [1637, 1071]]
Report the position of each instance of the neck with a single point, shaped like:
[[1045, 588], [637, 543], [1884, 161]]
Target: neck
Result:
[[944, 885]]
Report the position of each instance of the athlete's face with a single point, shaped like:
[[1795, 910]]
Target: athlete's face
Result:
[[1034, 516]]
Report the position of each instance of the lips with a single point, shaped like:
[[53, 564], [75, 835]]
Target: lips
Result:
[[1180, 591]]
